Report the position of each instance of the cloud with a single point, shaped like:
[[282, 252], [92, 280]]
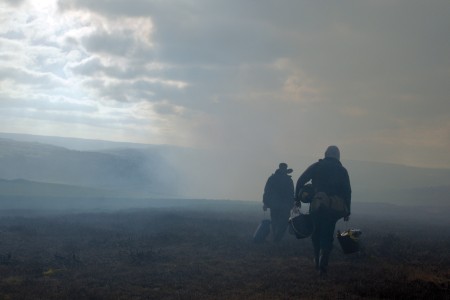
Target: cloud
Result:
[[264, 78], [101, 42], [84, 56], [24, 77]]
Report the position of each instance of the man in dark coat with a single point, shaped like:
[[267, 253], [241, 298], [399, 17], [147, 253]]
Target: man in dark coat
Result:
[[330, 177], [279, 197]]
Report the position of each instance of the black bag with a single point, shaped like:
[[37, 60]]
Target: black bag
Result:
[[301, 224], [349, 240], [262, 231]]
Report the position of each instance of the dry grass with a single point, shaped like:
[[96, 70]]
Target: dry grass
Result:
[[183, 254]]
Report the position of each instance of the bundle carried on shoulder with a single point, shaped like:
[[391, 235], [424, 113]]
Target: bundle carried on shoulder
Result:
[[333, 203]]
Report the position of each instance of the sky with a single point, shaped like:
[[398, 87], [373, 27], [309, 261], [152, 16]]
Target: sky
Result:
[[255, 82]]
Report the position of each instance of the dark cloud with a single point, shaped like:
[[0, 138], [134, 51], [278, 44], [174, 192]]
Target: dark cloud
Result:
[[102, 42], [151, 90], [198, 32], [14, 3], [165, 108]]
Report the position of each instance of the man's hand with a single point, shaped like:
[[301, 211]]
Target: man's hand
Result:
[[264, 208], [346, 218]]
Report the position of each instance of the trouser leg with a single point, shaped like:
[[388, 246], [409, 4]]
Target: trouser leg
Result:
[[280, 219], [323, 262], [274, 215], [316, 258], [322, 239], [282, 226], [284, 219], [327, 233], [315, 238], [326, 241]]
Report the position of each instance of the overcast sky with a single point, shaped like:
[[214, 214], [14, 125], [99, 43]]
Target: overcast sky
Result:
[[276, 78]]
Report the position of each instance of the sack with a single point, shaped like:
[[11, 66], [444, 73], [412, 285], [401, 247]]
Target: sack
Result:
[[301, 225], [349, 240], [334, 203], [262, 231]]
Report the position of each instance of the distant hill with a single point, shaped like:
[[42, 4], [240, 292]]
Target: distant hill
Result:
[[376, 175], [131, 171], [25, 188], [398, 184], [74, 143]]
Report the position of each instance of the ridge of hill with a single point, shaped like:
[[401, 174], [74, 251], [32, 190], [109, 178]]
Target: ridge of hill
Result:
[[78, 143], [134, 172], [30, 189]]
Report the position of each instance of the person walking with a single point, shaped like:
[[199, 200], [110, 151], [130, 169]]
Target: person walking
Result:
[[331, 201], [279, 198]]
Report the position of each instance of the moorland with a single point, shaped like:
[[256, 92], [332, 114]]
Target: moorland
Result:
[[205, 251]]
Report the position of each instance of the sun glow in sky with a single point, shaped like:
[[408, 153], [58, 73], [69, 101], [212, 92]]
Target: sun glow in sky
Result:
[[275, 78]]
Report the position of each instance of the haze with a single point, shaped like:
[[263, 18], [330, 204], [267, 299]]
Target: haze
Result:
[[245, 84]]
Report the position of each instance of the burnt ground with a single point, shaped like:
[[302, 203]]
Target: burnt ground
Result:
[[184, 253]]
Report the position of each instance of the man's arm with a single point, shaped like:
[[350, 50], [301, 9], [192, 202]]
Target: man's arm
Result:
[[266, 193], [304, 178], [348, 194]]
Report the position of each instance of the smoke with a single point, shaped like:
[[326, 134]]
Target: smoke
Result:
[[238, 174]]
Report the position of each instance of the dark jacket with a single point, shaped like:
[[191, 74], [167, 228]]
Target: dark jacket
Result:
[[328, 176], [279, 190]]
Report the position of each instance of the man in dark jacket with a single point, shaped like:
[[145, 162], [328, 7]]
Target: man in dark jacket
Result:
[[279, 197], [330, 179]]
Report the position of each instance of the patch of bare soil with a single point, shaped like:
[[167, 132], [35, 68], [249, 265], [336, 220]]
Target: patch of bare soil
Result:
[[188, 254]]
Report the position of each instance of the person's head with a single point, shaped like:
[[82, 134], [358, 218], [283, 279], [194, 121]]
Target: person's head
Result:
[[283, 167], [333, 151]]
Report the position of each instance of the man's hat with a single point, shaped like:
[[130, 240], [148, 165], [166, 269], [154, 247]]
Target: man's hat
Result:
[[284, 167]]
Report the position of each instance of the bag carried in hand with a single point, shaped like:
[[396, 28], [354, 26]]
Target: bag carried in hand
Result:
[[349, 240], [300, 224], [262, 231], [333, 203]]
